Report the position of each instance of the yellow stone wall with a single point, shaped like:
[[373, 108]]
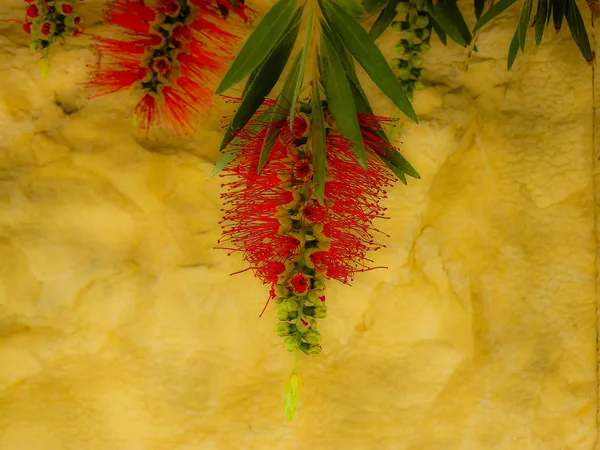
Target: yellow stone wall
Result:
[[121, 329]]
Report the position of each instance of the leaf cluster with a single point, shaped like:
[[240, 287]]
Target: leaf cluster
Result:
[[448, 21], [334, 39]]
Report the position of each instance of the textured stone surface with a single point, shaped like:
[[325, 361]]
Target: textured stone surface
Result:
[[120, 327]]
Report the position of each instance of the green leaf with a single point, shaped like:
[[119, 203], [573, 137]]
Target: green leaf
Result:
[[577, 27], [450, 19], [363, 48], [318, 145], [225, 159], [540, 20], [340, 101], [396, 171], [438, 30], [261, 42], [384, 20], [300, 73], [371, 5], [479, 7], [278, 113], [262, 83], [363, 107], [549, 13], [513, 49], [524, 23], [558, 13], [395, 161], [494, 11], [351, 6]]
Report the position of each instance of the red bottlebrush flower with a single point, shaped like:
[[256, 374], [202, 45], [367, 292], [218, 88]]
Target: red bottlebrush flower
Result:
[[291, 241], [33, 11], [66, 9], [259, 208], [171, 49], [27, 27], [76, 20]]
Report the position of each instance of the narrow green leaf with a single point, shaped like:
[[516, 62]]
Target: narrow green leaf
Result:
[[318, 145], [363, 48], [278, 113], [384, 20], [479, 7], [438, 30], [363, 107], [494, 11], [395, 161], [396, 171], [371, 5], [450, 19], [577, 27], [540, 20], [352, 7], [300, 74], [524, 23], [558, 13], [262, 83], [513, 49], [225, 159], [261, 42], [340, 101], [550, 11]]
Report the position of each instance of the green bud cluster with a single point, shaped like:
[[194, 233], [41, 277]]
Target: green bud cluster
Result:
[[415, 28], [299, 292]]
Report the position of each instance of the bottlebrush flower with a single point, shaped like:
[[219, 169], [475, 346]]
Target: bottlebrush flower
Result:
[[290, 240], [48, 21], [168, 50]]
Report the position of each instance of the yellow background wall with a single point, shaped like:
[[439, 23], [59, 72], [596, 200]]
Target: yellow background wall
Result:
[[121, 329]]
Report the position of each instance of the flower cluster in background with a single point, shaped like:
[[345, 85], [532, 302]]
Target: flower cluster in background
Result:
[[415, 28], [50, 20], [171, 51]]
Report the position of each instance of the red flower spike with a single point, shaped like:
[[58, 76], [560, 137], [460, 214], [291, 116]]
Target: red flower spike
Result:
[[27, 27], [253, 203], [194, 50], [66, 9]]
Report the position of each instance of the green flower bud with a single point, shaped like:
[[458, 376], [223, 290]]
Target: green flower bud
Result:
[[289, 305], [303, 323], [37, 45], [282, 291], [291, 343], [403, 7], [287, 315], [313, 296], [310, 349], [417, 61], [285, 329], [320, 312], [419, 86], [404, 74], [421, 21], [313, 337]]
